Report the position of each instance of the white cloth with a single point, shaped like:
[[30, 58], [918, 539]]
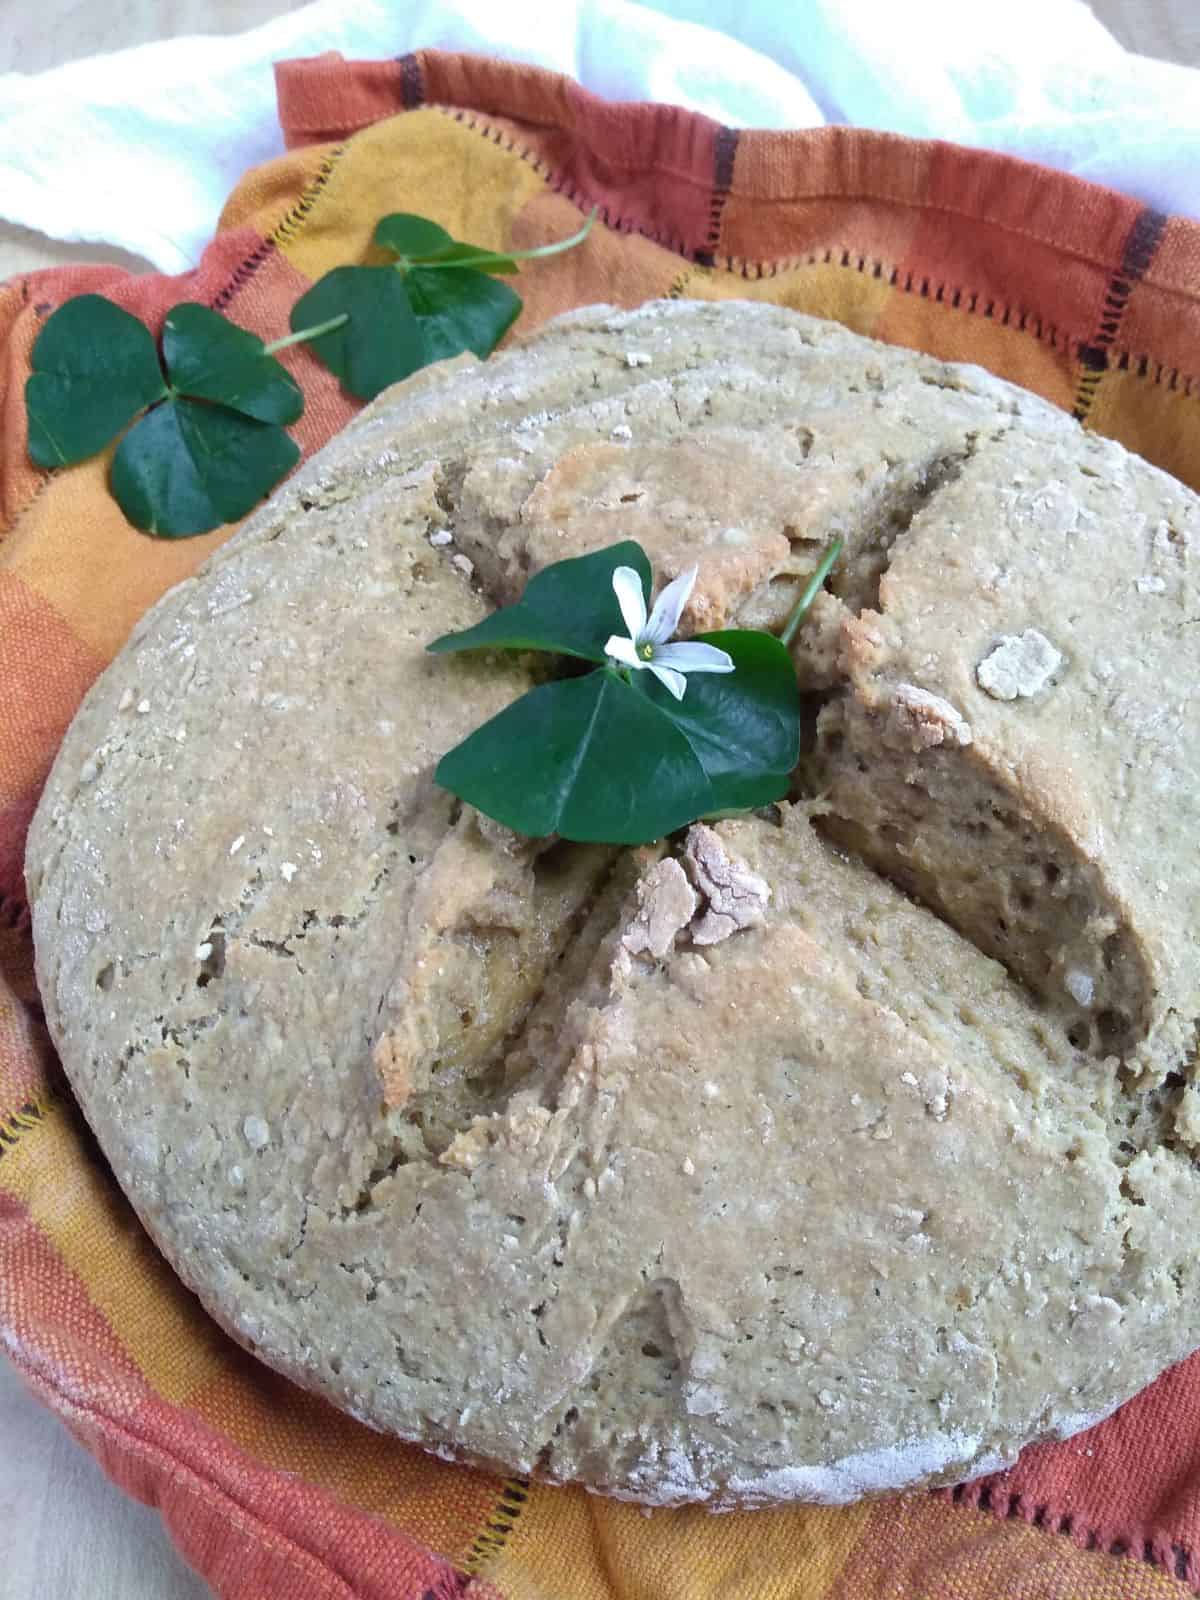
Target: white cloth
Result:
[[140, 148]]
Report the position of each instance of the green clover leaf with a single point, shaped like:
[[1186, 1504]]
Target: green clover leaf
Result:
[[600, 760], [568, 607], [379, 341], [472, 255], [94, 368], [413, 238], [217, 446], [209, 358], [186, 468], [743, 727], [589, 758], [418, 241], [460, 309]]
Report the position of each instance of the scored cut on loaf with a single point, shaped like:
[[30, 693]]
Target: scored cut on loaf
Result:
[[832, 1150]]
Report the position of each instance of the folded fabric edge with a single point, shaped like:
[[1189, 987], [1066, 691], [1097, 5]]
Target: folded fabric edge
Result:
[[327, 97], [174, 1474]]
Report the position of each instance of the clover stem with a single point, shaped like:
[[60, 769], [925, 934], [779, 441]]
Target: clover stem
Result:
[[792, 626], [303, 334], [559, 245], [537, 253]]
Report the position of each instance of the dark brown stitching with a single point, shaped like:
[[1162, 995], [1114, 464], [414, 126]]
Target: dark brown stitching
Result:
[[25, 1119], [294, 219], [724, 155], [1138, 253], [1140, 247], [412, 82], [242, 274], [1158, 373], [493, 1536], [451, 1587], [1173, 1559], [1024, 320], [848, 197], [285, 229]]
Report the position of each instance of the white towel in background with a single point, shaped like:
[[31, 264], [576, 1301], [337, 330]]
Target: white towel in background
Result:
[[140, 148]]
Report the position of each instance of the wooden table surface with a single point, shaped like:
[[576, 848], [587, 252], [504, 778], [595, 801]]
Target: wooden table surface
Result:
[[68, 1534]]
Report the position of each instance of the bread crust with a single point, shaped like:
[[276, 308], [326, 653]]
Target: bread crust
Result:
[[727, 1172]]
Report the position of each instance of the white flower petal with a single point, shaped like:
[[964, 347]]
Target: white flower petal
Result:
[[692, 656], [668, 608], [631, 597], [674, 681], [624, 650]]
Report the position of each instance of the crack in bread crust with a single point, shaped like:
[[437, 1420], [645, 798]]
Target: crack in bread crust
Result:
[[937, 823], [1016, 823]]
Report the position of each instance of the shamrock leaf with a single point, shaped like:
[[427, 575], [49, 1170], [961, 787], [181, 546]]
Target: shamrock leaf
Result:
[[94, 368], [216, 448], [380, 341], [588, 758], [472, 255], [744, 727], [212, 359], [187, 467], [412, 237], [569, 608], [461, 309], [418, 241]]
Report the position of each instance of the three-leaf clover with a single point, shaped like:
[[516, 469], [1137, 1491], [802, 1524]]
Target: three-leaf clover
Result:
[[615, 756], [438, 298], [210, 444]]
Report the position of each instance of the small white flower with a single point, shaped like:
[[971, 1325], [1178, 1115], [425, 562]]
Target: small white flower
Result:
[[647, 644]]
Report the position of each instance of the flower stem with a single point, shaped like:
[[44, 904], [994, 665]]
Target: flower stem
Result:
[[792, 626], [303, 334]]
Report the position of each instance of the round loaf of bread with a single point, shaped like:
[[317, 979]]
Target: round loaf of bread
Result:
[[839, 1148]]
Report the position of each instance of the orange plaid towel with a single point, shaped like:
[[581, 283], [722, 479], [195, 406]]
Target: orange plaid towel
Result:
[[1083, 295]]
